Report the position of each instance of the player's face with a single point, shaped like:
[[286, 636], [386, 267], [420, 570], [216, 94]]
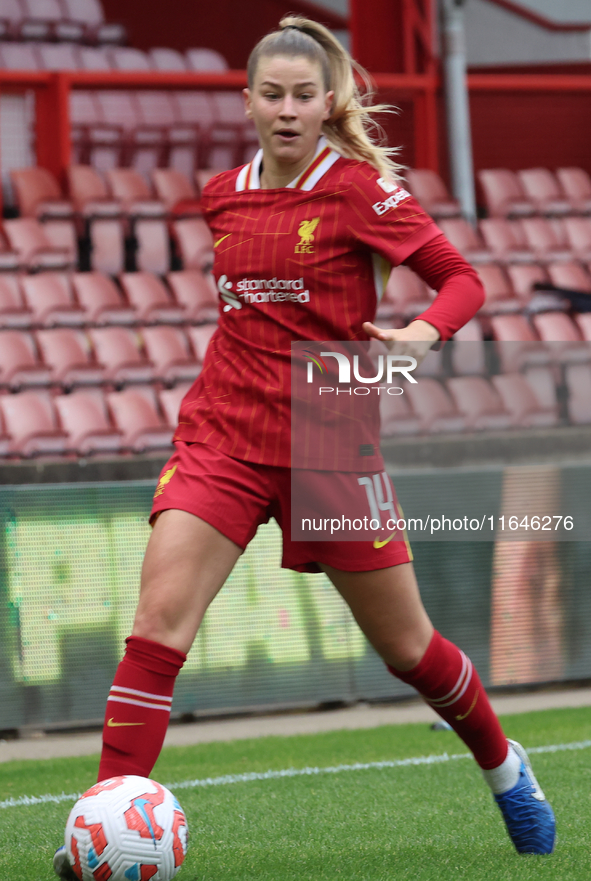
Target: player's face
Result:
[[288, 104]]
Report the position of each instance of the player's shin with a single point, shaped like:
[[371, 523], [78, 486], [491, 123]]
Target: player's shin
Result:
[[138, 708], [447, 681]]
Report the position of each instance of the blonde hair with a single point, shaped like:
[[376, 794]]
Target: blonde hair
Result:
[[350, 123]]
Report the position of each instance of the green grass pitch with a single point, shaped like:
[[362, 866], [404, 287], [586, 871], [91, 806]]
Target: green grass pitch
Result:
[[426, 822]]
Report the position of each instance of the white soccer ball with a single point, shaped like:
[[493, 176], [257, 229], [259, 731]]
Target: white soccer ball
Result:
[[126, 829]]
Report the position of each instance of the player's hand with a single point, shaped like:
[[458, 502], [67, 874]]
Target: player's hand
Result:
[[415, 339]]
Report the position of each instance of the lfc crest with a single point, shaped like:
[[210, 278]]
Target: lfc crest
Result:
[[306, 234]]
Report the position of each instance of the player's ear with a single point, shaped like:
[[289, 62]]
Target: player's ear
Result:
[[247, 103], [328, 101]]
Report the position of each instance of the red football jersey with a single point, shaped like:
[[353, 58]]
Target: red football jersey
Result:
[[304, 262]]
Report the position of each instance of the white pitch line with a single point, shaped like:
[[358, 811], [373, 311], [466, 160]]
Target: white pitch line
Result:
[[26, 800]]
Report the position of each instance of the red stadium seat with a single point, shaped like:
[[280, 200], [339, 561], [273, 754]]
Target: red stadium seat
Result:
[[578, 232], [468, 354], [195, 243], [583, 320], [405, 295], [9, 260], [104, 217], [30, 240], [38, 194], [11, 16], [506, 239], [524, 276], [19, 364], [168, 350], [83, 415], [147, 216], [504, 195], [542, 188], [176, 191], [135, 414], [196, 293], [200, 338], [546, 238], [58, 56], [100, 298], [543, 383], [434, 407], [500, 296], [170, 401], [569, 275], [67, 352], [576, 186], [466, 239], [149, 296], [18, 56], [205, 59], [430, 191], [117, 350], [49, 297], [90, 14], [51, 14], [127, 58], [479, 403], [13, 312], [520, 400], [168, 59], [517, 344], [397, 417], [30, 420], [562, 335]]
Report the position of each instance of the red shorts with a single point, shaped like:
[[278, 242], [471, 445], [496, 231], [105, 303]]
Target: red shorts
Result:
[[235, 497]]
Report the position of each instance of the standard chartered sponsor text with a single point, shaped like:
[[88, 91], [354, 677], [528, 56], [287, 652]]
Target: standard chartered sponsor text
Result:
[[442, 523]]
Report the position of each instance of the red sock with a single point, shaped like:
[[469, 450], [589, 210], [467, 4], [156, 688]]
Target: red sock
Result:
[[138, 708], [446, 679]]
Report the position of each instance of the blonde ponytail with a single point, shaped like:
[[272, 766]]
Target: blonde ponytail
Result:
[[350, 123]]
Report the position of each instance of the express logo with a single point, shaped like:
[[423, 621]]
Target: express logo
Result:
[[398, 196]]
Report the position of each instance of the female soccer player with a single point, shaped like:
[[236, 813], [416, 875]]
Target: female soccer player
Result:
[[306, 217]]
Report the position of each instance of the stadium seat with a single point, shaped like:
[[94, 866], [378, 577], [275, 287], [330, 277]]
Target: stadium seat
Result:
[[11, 17], [36, 251], [583, 320], [203, 175], [396, 416], [49, 13], [196, 293], [520, 400], [94, 58], [127, 58], [466, 239], [432, 194], [18, 56], [135, 414], [117, 350], [500, 296], [195, 243], [194, 109], [99, 296], [170, 401], [176, 191], [576, 186], [19, 364], [468, 353], [110, 139], [90, 14], [83, 415], [205, 59], [562, 336], [13, 313], [524, 276], [232, 139], [151, 143], [68, 353], [149, 297], [200, 338], [9, 259], [542, 188], [38, 194], [546, 238], [168, 59], [503, 193], [168, 350], [517, 344], [147, 216], [479, 403], [31, 422], [103, 216], [58, 56], [543, 383], [405, 294], [570, 276], [578, 385], [48, 295], [433, 406], [506, 239], [578, 233]]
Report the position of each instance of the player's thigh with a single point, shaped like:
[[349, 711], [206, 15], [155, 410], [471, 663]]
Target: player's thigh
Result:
[[186, 563], [387, 605]]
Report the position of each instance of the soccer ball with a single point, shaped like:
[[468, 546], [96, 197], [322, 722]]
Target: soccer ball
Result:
[[126, 829]]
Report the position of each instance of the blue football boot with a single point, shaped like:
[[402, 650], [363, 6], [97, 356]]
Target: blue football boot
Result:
[[527, 814]]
